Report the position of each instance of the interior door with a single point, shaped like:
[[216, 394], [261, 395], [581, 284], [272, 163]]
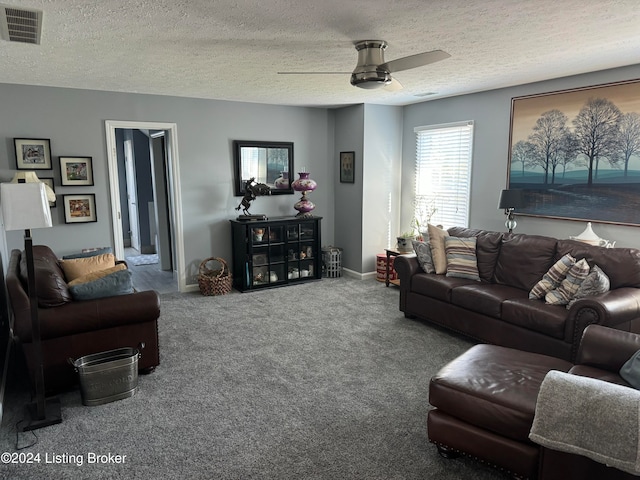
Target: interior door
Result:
[[132, 196]]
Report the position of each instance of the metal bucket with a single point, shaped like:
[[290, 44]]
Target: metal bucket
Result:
[[108, 376]]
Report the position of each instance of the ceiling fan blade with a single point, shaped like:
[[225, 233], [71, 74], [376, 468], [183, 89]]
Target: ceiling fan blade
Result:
[[394, 86], [414, 61], [314, 73]]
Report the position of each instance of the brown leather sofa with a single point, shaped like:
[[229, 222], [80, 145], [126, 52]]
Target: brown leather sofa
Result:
[[72, 329], [497, 309], [485, 403]]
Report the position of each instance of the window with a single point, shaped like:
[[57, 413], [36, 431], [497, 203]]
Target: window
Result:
[[443, 174]]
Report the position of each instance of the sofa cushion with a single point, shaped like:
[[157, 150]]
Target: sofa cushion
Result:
[[553, 278], [461, 257], [622, 265], [425, 259], [485, 298], [77, 267], [51, 286], [487, 249], [570, 285], [493, 388], [436, 240], [437, 286], [524, 259], [535, 315], [116, 283], [596, 283]]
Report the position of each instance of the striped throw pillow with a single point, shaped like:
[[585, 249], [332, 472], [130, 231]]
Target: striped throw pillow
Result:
[[553, 278], [570, 285], [461, 257]]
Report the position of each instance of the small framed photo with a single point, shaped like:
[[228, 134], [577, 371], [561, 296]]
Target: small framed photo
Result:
[[76, 171], [49, 181], [33, 153], [347, 167], [79, 208]]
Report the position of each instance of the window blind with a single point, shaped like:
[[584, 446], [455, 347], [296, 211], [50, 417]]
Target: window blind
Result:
[[443, 174]]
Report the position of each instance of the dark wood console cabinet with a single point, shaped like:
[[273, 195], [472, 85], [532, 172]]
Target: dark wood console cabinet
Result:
[[276, 252]]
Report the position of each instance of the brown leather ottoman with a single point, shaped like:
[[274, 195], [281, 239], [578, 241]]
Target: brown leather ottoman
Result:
[[485, 403]]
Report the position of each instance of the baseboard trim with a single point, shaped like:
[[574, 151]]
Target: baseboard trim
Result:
[[357, 275]]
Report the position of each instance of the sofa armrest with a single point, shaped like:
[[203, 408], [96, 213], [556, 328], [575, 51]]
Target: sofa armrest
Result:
[[406, 266], [609, 309], [606, 348]]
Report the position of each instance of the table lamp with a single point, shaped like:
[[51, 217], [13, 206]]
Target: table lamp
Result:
[[509, 201], [25, 206]]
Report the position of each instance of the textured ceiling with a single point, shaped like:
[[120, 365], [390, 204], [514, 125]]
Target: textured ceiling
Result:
[[233, 49]]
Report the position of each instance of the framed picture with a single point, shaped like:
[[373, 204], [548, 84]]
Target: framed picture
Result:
[[33, 153], [79, 208], [76, 171], [49, 181], [347, 167], [576, 153]]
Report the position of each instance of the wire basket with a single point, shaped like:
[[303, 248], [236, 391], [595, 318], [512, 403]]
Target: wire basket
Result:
[[214, 282]]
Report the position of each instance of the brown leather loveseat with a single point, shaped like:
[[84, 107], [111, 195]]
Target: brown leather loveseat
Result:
[[72, 329], [497, 309]]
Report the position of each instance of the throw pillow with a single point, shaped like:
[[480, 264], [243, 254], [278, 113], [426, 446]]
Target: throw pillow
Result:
[[597, 282], [570, 285], [423, 252], [553, 278], [436, 240], [630, 371], [90, 277], [461, 257], [88, 253], [77, 267], [117, 283]]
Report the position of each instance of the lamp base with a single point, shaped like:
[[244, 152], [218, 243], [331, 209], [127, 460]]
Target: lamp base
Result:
[[52, 415]]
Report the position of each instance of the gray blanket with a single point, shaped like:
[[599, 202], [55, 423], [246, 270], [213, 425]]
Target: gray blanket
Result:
[[589, 417]]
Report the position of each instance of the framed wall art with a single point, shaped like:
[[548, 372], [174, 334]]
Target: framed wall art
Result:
[[576, 153], [347, 167], [79, 208], [49, 181], [33, 153], [76, 171]]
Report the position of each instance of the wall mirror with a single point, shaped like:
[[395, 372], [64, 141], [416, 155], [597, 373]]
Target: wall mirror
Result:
[[268, 162]]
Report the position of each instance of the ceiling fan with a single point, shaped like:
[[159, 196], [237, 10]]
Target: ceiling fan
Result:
[[373, 72]]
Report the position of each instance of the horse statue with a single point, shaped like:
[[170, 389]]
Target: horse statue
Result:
[[251, 191]]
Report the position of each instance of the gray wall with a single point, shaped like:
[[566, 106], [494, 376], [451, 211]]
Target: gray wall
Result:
[[74, 121], [491, 112]]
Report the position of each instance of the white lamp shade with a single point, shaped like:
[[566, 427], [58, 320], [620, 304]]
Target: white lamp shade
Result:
[[32, 177], [25, 206]]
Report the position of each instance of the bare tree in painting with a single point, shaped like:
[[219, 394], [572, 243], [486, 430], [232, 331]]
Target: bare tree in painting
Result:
[[523, 152], [629, 138], [547, 136], [568, 151], [596, 129]]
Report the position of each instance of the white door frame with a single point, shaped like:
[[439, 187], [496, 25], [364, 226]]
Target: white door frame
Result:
[[114, 188]]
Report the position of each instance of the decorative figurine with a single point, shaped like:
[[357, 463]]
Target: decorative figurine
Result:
[[251, 191]]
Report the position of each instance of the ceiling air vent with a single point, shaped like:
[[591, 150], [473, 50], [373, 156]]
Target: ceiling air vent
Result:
[[20, 24]]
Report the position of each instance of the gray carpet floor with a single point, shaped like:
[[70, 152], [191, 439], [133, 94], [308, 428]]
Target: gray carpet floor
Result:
[[324, 380]]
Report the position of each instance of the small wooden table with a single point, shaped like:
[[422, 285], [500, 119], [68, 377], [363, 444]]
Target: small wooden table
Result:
[[391, 253]]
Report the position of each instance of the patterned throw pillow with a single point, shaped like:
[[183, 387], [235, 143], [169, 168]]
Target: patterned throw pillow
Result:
[[570, 285], [423, 252], [461, 257], [436, 240], [553, 278], [596, 283]]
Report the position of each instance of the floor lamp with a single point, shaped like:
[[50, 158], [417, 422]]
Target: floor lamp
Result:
[[25, 206]]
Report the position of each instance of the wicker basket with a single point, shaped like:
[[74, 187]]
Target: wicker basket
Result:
[[214, 282]]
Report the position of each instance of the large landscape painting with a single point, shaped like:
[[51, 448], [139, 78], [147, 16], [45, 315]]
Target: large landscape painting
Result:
[[576, 153]]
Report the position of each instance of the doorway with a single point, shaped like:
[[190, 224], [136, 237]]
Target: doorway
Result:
[[157, 215]]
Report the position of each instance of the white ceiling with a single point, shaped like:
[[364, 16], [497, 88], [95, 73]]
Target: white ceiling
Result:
[[233, 49]]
